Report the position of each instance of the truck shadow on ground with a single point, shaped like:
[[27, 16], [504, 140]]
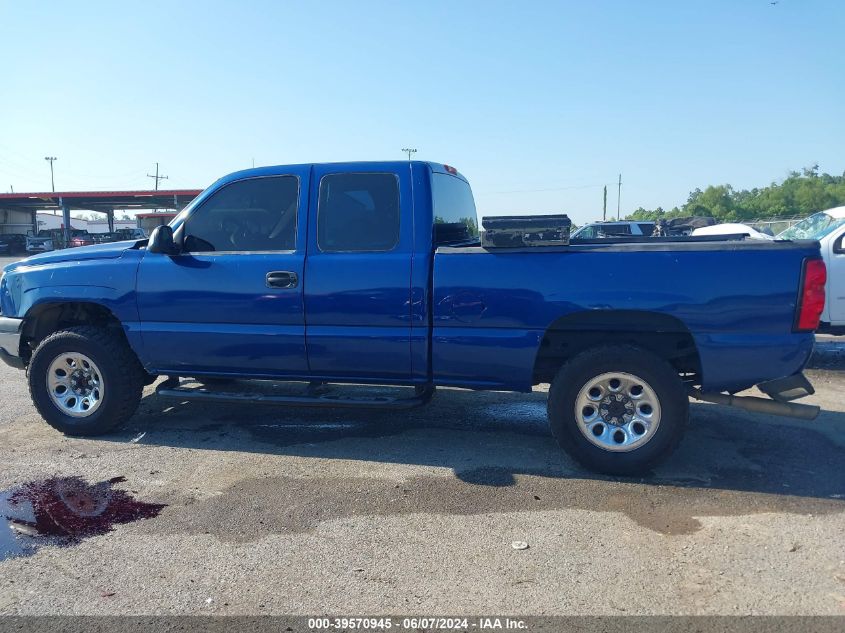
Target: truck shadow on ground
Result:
[[504, 459]]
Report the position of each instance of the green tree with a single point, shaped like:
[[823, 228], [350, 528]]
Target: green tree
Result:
[[800, 194]]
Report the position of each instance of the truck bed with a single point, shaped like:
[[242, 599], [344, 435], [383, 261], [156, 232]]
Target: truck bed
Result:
[[492, 308]]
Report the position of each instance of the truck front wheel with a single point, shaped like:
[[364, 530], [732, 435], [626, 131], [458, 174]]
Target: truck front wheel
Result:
[[85, 380], [618, 410]]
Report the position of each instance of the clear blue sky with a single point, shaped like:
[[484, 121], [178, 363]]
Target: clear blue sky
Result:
[[538, 103]]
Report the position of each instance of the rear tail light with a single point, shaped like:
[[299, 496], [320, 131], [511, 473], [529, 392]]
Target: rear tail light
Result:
[[811, 295]]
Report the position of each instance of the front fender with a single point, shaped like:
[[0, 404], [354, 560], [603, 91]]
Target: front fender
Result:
[[110, 283], [106, 283]]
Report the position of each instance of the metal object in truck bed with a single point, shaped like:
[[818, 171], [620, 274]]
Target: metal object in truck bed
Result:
[[515, 231]]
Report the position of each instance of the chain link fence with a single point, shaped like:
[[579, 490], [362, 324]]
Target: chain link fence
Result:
[[773, 227]]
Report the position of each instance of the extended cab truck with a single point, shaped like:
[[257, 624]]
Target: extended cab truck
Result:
[[372, 273]]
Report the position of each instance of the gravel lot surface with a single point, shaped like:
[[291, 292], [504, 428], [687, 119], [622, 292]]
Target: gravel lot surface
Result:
[[298, 511]]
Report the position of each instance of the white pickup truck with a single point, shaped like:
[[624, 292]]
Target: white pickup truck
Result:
[[828, 227]]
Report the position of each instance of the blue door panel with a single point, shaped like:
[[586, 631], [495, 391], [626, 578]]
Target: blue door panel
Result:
[[484, 358], [269, 350], [359, 352], [215, 312], [358, 304], [360, 289]]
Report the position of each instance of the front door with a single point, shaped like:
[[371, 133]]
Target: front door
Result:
[[231, 302], [358, 273]]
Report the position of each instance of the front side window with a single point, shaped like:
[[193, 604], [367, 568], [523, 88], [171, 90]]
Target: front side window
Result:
[[257, 214], [455, 217], [358, 212]]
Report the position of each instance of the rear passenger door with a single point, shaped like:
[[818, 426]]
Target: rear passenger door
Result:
[[358, 273]]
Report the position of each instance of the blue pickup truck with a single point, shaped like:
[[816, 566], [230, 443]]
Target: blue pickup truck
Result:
[[373, 273]]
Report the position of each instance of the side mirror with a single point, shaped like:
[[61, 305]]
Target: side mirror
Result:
[[161, 241], [839, 245]]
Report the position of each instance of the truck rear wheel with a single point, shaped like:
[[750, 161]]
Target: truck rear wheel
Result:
[[618, 410], [85, 380]]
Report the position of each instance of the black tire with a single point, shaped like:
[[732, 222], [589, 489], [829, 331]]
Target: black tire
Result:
[[122, 374], [587, 366]]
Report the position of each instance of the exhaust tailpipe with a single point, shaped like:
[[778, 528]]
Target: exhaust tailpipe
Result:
[[759, 405]]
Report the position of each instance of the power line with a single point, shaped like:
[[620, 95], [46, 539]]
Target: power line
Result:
[[485, 193], [157, 177]]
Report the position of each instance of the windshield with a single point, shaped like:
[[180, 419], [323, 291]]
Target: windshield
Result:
[[813, 228]]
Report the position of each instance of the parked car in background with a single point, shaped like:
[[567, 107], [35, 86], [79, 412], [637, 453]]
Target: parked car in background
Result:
[[43, 241], [53, 239], [12, 243], [131, 234], [733, 228], [105, 238], [598, 230], [685, 225], [80, 237], [828, 228]]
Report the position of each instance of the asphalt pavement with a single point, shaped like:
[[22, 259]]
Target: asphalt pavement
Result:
[[235, 509]]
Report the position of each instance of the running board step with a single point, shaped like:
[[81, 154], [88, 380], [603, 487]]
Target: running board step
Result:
[[424, 395]]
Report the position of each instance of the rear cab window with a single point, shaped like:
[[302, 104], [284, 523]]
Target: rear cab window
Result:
[[455, 216]]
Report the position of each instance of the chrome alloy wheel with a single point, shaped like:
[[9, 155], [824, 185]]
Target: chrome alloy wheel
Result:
[[617, 411], [75, 384]]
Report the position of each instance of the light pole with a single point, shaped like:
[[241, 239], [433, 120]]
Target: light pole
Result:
[[409, 151], [52, 180]]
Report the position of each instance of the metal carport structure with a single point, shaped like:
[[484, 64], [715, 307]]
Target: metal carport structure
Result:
[[15, 206]]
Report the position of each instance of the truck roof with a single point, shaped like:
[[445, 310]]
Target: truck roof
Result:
[[388, 165]]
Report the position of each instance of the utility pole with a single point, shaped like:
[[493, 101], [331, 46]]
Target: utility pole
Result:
[[409, 151], [52, 180], [619, 197], [604, 206], [157, 177]]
